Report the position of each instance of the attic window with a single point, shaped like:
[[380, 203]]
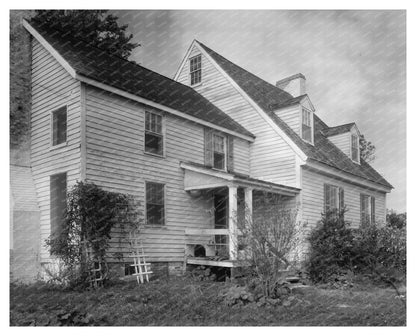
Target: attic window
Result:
[[354, 147], [195, 69], [306, 125]]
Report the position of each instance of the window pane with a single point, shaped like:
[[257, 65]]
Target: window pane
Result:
[[57, 202], [219, 161], [147, 121], [155, 203], [218, 144], [59, 126], [153, 144], [306, 133]]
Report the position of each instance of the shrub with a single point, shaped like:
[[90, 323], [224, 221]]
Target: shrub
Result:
[[395, 220], [331, 245]]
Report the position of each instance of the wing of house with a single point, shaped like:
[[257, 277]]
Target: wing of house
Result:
[[293, 145]]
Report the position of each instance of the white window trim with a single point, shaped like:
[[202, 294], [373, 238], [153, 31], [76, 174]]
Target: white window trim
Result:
[[65, 143], [337, 196], [189, 72], [370, 210], [358, 147], [225, 151], [162, 115], [164, 205], [312, 124]]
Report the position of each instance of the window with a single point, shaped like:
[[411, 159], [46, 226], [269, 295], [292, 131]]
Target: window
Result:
[[57, 202], [219, 152], [367, 209], [153, 138], [155, 203], [306, 125], [354, 148], [333, 198], [59, 126], [195, 69]]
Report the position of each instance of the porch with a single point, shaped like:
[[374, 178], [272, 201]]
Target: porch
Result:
[[235, 200]]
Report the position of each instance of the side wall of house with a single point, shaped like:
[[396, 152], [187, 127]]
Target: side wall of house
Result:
[[116, 161], [292, 117], [271, 158], [52, 87], [343, 142], [312, 195]]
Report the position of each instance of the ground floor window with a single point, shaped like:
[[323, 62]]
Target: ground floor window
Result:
[[155, 203], [367, 209], [333, 198], [58, 187]]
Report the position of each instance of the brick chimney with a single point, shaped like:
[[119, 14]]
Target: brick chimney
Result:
[[295, 85]]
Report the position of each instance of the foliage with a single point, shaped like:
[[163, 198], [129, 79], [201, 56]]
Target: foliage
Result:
[[184, 302], [237, 295], [395, 220], [93, 26], [367, 150], [337, 251], [330, 247], [91, 214], [271, 237]]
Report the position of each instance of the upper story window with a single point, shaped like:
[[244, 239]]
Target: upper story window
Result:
[[195, 70], [59, 126], [355, 148], [219, 151], [367, 207], [155, 203], [306, 125], [333, 198], [153, 138]]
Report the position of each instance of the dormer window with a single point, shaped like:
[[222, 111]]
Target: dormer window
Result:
[[306, 125], [195, 70], [355, 148]]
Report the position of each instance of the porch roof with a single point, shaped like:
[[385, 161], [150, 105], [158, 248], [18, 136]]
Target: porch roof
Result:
[[198, 177]]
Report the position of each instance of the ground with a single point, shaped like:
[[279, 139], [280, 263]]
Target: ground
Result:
[[184, 302]]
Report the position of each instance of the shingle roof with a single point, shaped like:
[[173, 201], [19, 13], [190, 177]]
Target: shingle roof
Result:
[[330, 131], [289, 102], [130, 77], [268, 96]]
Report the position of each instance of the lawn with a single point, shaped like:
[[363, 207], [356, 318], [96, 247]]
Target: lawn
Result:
[[184, 302]]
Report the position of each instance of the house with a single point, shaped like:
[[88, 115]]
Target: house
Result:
[[198, 151]]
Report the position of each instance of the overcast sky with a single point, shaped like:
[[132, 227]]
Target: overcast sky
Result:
[[354, 63]]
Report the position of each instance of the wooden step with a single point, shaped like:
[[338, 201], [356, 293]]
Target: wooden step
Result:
[[143, 273], [145, 264]]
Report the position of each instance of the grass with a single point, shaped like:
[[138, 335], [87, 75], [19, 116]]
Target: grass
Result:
[[184, 302]]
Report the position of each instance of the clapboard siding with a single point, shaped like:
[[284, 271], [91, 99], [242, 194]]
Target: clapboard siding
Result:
[[52, 87], [312, 198], [291, 116], [271, 158], [343, 142], [116, 161]]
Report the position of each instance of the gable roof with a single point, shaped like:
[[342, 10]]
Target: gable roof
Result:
[[268, 96], [331, 131], [97, 64]]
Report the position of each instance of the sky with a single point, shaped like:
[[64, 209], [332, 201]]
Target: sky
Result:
[[354, 63]]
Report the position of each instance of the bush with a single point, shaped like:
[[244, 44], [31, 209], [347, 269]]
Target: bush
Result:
[[331, 245], [395, 220], [379, 253]]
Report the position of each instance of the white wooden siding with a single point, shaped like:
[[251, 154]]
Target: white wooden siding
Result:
[[343, 142], [271, 158], [312, 198], [117, 162], [52, 87], [292, 117]]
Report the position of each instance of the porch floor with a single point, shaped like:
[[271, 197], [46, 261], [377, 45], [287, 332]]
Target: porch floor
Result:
[[207, 261]]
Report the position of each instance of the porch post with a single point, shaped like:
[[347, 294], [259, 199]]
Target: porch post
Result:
[[248, 199], [232, 222]]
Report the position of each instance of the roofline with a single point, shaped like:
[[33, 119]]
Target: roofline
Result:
[[123, 93], [262, 113], [275, 107], [343, 175], [353, 124], [188, 51]]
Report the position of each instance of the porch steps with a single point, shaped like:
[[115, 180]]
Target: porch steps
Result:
[[141, 270]]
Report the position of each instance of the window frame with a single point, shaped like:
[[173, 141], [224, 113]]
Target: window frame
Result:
[[225, 148], [51, 122], [164, 204], [310, 115], [367, 218], [195, 71], [357, 143], [339, 191], [162, 134]]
